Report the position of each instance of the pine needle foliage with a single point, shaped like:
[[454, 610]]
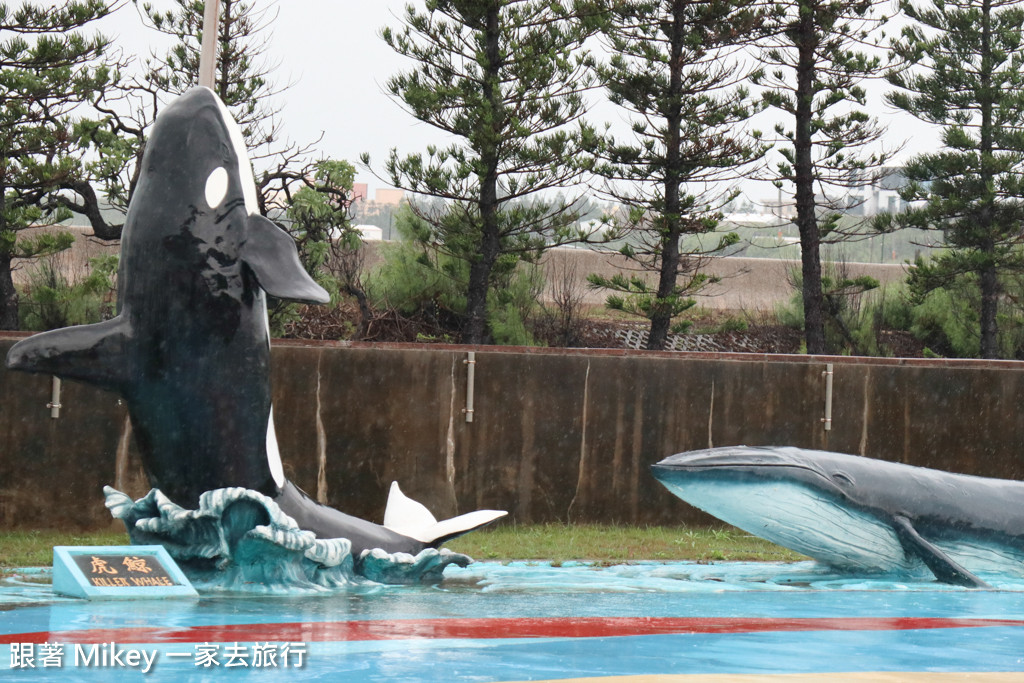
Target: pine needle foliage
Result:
[[670, 69], [961, 69], [50, 66], [813, 69], [504, 81]]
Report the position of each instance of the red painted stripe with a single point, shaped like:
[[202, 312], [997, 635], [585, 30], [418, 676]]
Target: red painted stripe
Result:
[[418, 629]]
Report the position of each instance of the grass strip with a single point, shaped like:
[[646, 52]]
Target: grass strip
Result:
[[556, 543], [35, 548], [616, 544]]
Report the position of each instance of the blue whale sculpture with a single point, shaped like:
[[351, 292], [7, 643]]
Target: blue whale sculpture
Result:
[[858, 513], [190, 348]]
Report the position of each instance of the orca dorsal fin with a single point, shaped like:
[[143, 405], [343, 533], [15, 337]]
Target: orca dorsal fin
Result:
[[940, 564], [97, 353], [273, 257], [405, 516]]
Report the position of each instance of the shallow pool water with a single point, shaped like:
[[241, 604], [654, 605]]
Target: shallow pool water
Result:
[[527, 621]]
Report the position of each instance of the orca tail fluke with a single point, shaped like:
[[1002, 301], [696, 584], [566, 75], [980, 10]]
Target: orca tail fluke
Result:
[[410, 518]]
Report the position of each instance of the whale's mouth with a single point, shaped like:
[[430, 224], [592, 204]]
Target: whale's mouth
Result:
[[734, 465], [699, 462], [748, 466], [743, 459]]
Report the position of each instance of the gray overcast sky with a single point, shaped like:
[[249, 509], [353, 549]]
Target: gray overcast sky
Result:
[[332, 52]]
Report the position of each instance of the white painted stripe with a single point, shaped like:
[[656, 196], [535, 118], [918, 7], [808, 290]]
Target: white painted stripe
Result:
[[245, 175], [273, 452]]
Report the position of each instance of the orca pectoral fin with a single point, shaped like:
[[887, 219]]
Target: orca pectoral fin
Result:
[[405, 516], [97, 354], [940, 564], [274, 258]]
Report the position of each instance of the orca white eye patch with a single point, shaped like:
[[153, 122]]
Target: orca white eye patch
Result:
[[216, 187]]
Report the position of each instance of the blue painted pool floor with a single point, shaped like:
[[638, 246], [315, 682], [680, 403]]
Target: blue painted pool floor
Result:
[[527, 621]]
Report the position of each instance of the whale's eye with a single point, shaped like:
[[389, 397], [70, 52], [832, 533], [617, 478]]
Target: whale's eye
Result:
[[216, 187], [842, 479]]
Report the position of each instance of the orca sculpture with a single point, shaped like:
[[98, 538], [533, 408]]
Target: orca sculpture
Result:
[[190, 348], [858, 513]]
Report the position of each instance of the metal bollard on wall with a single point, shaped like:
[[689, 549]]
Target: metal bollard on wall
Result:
[[54, 404], [827, 374], [470, 382]]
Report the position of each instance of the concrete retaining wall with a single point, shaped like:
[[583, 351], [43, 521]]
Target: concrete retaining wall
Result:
[[557, 435]]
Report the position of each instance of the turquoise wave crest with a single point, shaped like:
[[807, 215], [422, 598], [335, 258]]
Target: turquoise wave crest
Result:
[[227, 544]]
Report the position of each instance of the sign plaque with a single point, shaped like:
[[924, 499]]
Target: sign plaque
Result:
[[112, 572]]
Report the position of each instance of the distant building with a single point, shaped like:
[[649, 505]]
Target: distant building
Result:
[[359, 192], [881, 196], [750, 219], [782, 208], [369, 233], [863, 194], [389, 197]]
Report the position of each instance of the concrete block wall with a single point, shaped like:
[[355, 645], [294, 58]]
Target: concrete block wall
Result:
[[557, 435]]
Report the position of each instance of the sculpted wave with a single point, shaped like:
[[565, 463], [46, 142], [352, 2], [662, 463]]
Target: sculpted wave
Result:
[[239, 540]]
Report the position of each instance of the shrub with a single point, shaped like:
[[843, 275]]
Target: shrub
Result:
[[946, 320], [733, 324], [843, 307], [423, 282], [54, 297]]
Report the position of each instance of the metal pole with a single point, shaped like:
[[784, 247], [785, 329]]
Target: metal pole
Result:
[[470, 384], [208, 55], [827, 420], [54, 404]]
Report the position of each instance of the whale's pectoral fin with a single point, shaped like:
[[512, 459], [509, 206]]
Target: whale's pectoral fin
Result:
[[97, 354], [405, 516], [274, 258], [940, 564]]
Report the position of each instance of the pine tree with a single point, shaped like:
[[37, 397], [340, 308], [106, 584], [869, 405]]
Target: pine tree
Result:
[[813, 70], [671, 70], [50, 69], [505, 79], [962, 70]]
